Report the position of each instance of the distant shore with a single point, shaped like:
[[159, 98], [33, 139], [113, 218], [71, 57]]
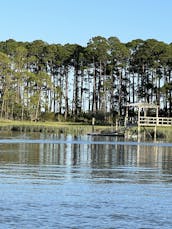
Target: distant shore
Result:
[[62, 127]]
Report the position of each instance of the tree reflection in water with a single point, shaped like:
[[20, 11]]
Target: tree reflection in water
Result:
[[99, 156]]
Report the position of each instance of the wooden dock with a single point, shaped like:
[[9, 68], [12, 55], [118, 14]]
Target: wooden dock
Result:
[[147, 121], [144, 120], [154, 121]]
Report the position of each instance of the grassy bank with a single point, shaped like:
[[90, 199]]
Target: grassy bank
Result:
[[164, 132], [62, 127], [47, 127]]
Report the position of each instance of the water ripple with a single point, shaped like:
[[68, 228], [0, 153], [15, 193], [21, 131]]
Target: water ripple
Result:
[[81, 142]]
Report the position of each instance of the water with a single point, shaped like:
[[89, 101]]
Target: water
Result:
[[64, 182]]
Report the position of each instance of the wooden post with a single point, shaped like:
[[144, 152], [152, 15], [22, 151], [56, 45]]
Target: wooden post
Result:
[[138, 127], [93, 123], [157, 120], [116, 124], [126, 117], [155, 133], [156, 124]]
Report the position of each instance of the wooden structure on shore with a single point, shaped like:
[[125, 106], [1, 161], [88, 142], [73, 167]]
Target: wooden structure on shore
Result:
[[155, 121], [147, 121], [144, 120]]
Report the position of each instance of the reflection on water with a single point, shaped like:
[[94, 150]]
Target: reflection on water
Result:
[[70, 185], [92, 155]]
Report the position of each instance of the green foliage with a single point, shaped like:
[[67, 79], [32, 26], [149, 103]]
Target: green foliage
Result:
[[41, 80], [48, 116]]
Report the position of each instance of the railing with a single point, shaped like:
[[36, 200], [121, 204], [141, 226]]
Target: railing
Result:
[[155, 121]]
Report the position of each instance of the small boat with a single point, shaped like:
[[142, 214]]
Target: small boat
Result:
[[110, 134]]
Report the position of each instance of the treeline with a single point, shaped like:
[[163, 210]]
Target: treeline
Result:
[[42, 81]]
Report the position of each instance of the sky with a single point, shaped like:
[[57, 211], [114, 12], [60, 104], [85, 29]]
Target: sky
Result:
[[77, 21]]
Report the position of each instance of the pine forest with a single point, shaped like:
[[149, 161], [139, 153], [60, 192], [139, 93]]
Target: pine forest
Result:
[[41, 81]]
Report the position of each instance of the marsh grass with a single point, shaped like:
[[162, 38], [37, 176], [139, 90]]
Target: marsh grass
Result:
[[163, 133], [66, 127], [48, 127]]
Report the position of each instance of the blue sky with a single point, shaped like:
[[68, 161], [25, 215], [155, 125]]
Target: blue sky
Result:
[[76, 21]]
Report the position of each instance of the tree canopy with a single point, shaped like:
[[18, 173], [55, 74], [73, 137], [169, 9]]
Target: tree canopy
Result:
[[75, 82]]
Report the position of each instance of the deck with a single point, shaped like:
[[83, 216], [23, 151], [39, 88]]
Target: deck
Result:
[[154, 121]]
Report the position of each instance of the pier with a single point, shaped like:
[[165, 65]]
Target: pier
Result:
[[154, 121], [143, 120]]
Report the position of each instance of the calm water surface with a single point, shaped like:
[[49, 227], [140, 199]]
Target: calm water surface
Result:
[[57, 181]]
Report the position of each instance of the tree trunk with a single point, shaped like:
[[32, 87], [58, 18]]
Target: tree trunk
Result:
[[66, 95]]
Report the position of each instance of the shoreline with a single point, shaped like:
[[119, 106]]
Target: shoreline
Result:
[[63, 127]]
